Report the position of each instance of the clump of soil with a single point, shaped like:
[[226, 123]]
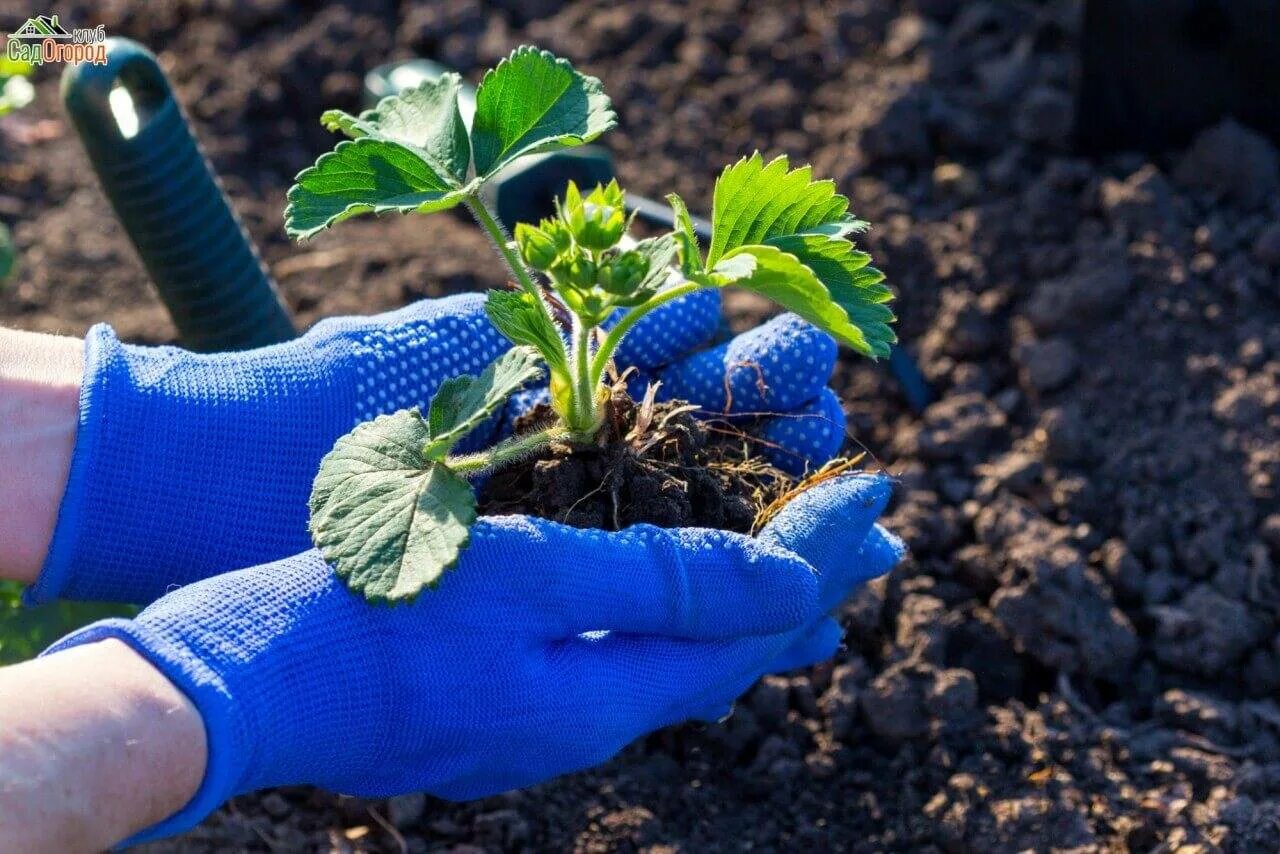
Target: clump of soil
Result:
[[655, 463]]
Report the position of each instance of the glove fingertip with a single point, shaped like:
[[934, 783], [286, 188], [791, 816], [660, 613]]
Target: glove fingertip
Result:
[[779, 365], [805, 439], [818, 645], [880, 552], [828, 522]]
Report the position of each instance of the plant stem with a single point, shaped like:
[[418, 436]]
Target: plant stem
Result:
[[585, 417], [507, 451], [630, 319], [498, 235]]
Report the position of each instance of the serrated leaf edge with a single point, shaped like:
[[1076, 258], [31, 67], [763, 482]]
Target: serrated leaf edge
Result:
[[453, 196], [593, 85], [315, 504]]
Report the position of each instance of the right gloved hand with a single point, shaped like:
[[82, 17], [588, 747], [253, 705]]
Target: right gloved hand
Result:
[[546, 650]]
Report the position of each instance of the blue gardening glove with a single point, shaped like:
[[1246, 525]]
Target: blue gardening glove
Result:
[[547, 650], [778, 371], [803, 529], [189, 465]]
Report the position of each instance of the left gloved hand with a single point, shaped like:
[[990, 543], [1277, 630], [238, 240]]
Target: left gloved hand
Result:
[[547, 650], [189, 465]]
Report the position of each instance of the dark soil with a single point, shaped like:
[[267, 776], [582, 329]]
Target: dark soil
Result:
[[1081, 652], [652, 463]]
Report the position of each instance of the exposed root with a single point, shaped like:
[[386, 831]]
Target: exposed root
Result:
[[666, 464], [833, 469]]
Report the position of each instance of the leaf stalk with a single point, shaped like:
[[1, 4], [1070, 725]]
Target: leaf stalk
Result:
[[630, 319], [508, 451]]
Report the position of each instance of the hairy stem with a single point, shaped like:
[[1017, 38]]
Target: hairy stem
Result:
[[630, 319], [500, 239], [585, 417], [489, 222], [498, 235], [507, 451]]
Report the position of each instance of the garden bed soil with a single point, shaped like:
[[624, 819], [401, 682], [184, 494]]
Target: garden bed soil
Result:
[[1081, 651]]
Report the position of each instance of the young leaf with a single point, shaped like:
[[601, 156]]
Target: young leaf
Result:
[[462, 403], [410, 153], [755, 203], [365, 176], [389, 519], [517, 316], [660, 252], [853, 282], [760, 205], [425, 118], [534, 101], [690, 251], [783, 278]]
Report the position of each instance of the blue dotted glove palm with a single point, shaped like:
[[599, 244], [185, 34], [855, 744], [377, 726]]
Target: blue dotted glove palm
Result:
[[547, 650], [189, 465]]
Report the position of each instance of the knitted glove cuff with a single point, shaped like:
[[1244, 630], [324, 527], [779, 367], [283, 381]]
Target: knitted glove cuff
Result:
[[101, 349]]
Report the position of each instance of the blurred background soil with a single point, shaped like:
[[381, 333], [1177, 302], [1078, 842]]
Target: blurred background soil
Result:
[[1081, 652]]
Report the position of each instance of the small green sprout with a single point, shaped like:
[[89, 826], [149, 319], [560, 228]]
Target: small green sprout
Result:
[[391, 506]]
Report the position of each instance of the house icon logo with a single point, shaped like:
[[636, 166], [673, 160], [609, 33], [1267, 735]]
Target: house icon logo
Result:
[[43, 39], [41, 27]]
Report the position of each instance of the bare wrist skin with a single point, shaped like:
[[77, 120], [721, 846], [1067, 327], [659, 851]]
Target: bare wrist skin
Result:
[[39, 411], [95, 745]]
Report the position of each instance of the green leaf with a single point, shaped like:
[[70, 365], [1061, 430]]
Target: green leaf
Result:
[[690, 251], [389, 519], [462, 403], [759, 205], [410, 153], [783, 278], [425, 118], [517, 316], [754, 203], [852, 281], [532, 102], [660, 252], [14, 67], [366, 176]]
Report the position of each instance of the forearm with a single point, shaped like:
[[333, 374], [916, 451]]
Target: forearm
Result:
[[95, 745], [39, 406]]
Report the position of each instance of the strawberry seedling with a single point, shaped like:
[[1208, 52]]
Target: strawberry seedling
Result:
[[392, 503]]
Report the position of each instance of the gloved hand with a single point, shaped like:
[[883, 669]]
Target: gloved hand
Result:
[[547, 650], [189, 465]]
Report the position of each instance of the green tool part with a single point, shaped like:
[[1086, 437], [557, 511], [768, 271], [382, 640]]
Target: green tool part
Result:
[[152, 170], [8, 253]]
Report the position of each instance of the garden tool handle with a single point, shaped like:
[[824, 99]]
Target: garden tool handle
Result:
[[164, 191]]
